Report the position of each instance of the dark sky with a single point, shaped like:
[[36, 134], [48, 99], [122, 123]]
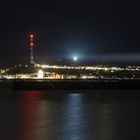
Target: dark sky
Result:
[[91, 29]]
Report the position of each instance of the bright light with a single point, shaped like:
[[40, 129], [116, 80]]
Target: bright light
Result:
[[31, 36], [75, 58], [40, 74], [84, 77], [31, 44]]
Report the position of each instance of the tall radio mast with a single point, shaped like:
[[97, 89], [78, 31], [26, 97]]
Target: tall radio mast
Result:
[[31, 45]]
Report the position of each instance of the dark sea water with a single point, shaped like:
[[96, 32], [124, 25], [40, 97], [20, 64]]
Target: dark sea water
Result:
[[69, 115]]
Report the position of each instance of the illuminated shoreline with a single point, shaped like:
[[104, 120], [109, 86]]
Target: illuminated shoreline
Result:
[[54, 72]]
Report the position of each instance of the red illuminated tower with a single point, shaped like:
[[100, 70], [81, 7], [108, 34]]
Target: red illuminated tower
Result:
[[31, 44]]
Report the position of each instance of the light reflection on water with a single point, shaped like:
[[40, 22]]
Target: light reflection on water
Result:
[[44, 115], [73, 118], [29, 110]]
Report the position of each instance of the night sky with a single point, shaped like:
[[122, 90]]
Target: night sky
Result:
[[104, 31]]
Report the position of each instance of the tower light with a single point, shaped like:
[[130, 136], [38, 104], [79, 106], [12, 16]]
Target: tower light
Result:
[[31, 45]]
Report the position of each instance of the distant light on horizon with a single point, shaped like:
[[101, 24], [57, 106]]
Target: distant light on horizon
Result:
[[75, 58]]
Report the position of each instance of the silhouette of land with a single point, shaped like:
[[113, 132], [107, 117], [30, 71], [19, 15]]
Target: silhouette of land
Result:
[[69, 84]]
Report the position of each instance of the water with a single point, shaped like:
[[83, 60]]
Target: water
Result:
[[94, 115]]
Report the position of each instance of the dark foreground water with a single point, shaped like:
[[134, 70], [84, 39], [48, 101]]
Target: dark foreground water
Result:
[[87, 115]]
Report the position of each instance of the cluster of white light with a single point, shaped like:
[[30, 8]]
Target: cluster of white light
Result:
[[40, 74]]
